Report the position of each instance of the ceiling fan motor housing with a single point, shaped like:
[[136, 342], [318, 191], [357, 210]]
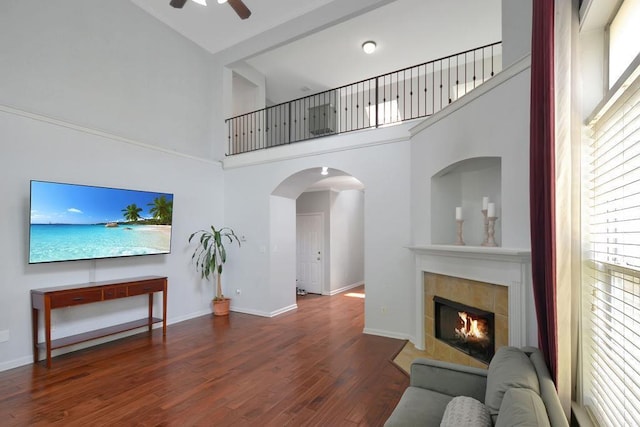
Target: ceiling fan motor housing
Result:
[[178, 3], [238, 5]]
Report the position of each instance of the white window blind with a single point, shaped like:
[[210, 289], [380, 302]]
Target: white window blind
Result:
[[612, 352]]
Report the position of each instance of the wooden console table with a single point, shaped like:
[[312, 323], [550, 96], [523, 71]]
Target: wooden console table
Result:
[[47, 299]]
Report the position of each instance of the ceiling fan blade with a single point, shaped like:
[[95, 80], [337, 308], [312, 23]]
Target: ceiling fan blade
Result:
[[178, 4], [241, 9]]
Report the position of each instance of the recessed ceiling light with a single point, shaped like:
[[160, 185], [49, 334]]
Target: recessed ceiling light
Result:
[[221, 1], [202, 2], [325, 170], [369, 47]]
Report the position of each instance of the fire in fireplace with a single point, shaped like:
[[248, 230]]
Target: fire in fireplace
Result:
[[469, 329]]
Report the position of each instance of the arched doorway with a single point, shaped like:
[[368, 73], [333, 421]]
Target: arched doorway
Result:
[[326, 227]]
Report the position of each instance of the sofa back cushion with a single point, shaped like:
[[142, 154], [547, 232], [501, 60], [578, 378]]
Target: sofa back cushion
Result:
[[522, 407], [548, 391], [509, 368]]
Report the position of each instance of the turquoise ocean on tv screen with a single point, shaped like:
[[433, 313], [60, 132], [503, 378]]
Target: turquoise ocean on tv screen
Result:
[[61, 242]]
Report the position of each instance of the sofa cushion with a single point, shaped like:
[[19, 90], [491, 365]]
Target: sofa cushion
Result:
[[419, 407], [465, 411], [509, 368], [522, 407], [548, 391]]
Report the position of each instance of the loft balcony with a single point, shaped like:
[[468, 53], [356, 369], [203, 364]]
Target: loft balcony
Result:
[[410, 93]]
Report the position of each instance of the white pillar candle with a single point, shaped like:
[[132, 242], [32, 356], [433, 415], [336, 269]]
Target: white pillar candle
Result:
[[459, 213], [485, 202], [491, 210]]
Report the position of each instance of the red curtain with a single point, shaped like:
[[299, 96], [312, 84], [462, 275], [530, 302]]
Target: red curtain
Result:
[[542, 179]]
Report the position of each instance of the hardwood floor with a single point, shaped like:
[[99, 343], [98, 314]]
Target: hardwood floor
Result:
[[310, 367]]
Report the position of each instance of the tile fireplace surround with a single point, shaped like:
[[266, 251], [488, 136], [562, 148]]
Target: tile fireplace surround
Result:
[[480, 295], [476, 276]]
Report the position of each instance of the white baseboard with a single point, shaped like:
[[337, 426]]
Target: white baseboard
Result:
[[284, 310], [346, 288], [185, 317], [264, 313], [387, 334], [27, 360], [16, 363]]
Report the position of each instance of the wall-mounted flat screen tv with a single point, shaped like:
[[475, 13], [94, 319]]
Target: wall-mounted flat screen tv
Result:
[[80, 222]]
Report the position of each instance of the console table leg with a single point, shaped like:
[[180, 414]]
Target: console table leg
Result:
[[164, 310], [150, 311], [47, 331], [34, 332]]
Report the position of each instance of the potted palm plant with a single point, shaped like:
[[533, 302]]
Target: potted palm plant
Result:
[[209, 257]]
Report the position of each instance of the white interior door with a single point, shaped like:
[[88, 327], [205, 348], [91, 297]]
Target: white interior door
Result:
[[310, 260]]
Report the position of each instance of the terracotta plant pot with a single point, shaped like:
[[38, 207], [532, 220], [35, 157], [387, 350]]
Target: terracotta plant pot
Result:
[[221, 307]]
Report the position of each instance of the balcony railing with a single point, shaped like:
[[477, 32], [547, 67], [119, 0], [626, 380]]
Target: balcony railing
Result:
[[391, 98]]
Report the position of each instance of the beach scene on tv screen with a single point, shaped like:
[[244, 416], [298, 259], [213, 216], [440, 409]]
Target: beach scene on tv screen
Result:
[[74, 222]]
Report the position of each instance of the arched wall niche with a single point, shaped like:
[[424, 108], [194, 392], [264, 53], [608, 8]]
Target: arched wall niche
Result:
[[464, 184]]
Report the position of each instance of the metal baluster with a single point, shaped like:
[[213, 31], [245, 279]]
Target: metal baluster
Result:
[[433, 88], [492, 61], [483, 75], [474, 69]]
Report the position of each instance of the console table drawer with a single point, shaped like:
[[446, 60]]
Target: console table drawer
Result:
[[115, 292], [146, 288], [75, 298]]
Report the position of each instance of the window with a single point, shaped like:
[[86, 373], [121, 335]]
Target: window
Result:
[[611, 348], [610, 331]]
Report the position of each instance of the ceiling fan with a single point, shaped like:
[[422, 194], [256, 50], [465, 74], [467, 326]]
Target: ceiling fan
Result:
[[241, 9]]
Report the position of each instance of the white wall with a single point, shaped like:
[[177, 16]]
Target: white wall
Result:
[[41, 150], [496, 125], [282, 254], [117, 72], [347, 239], [516, 30], [247, 93], [109, 66], [384, 170], [593, 84]]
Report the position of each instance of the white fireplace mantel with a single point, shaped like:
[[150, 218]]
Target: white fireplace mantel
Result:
[[508, 267]]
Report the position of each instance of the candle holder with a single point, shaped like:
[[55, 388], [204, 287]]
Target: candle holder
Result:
[[485, 242], [491, 231], [460, 241]]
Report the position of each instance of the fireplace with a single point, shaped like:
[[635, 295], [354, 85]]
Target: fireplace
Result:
[[468, 329]]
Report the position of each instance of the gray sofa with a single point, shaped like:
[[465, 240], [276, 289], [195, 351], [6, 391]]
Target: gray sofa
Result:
[[517, 390]]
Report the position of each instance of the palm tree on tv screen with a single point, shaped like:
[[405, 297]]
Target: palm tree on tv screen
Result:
[[132, 212], [161, 209]]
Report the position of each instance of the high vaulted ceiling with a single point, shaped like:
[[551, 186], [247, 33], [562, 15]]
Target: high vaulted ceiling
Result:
[[216, 27], [324, 50], [302, 47], [407, 33]]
